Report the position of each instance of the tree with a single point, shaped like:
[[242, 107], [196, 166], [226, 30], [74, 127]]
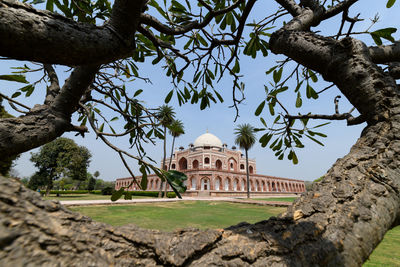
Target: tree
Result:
[[245, 139], [91, 183], [337, 223], [176, 129], [61, 158], [165, 115]]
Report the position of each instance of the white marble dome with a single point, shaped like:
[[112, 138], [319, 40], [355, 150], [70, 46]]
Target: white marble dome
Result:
[[207, 139]]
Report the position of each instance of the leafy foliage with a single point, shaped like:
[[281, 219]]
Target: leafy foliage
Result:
[[61, 158]]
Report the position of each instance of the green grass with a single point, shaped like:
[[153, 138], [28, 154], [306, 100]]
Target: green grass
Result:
[[284, 199], [170, 216], [82, 197], [387, 253]]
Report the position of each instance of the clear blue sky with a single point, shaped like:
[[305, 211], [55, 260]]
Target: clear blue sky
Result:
[[314, 160]]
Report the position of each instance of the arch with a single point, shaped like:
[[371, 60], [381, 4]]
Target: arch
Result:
[[242, 166], [206, 160], [251, 186], [232, 164], [263, 186], [204, 184], [251, 170], [151, 185], [183, 164], [218, 164], [236, 184], [227, 184], [273, 187], [218, 184], [193, 182], [195, 164], [243, 185], [173, 166]]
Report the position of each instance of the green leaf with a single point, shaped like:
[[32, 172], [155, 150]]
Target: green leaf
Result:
[[313, 77], [271, 109], [277, 75], [117, 194], [16, 94], [295, 160], [383, 33], [50, 5], [114, 119], [299, 101], [138, 92], [14, 78], [315, 140], [176, 180], [143, 182], [101, 128], [265, 139], [169, 96], [390, 3], [271, 70], [236, 68], [259, 108]]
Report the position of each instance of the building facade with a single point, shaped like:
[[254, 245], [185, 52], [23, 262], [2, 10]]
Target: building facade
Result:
[[214, 170]]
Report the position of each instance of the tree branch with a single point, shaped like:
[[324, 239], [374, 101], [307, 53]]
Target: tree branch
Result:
[[385, 53], [26, 33]]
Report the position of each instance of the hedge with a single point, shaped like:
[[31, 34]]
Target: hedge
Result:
[[129, 194], [66, 192]]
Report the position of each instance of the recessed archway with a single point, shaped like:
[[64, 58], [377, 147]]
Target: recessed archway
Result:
[[218, 165], [205, 184], [183, 164], [195, 164]]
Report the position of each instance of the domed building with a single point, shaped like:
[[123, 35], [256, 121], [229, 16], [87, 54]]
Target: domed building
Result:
[[215, 170]]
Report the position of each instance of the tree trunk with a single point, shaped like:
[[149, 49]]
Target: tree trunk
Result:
[[247, 174], [163, 162], [49, 186], [169, 164]]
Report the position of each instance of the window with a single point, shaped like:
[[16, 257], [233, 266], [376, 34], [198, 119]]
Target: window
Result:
[[195, 164], [242, 166], [173, 166], [206, 160]]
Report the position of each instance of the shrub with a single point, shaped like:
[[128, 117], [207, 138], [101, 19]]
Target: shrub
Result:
[[107, 190]]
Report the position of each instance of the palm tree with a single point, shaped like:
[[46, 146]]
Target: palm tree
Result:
[[245, 139], [165, 116], [175, 129]]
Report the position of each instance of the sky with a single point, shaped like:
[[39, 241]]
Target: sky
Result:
[[314, 160]]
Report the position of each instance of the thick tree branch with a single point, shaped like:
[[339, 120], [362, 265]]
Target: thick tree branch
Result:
[[385, 53], [54, 88], [30, 34], [343, 116]]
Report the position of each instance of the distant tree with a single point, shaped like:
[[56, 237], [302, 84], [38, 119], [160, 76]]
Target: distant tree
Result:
[[91, 182], [96, 174], [61, 158], [176, 129], [37, 180], [245, 139], [165, 116]]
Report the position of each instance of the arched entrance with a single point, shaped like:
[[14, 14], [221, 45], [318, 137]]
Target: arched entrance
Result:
[[183, 164], [227, 184], [205, 184], [218, 165], [218, 184], [195, 164], [232, 164], [251, 170]]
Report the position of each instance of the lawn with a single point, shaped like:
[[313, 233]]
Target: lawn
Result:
[[283, 199], [82, 197], [183, 214], [208, 214]]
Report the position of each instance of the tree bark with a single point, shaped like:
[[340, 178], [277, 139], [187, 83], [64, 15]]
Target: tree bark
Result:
[[30, 34]]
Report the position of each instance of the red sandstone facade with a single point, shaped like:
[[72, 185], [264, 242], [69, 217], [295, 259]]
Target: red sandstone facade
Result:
[[214, 170]]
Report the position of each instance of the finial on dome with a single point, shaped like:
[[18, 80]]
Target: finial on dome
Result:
[[207, 130]]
